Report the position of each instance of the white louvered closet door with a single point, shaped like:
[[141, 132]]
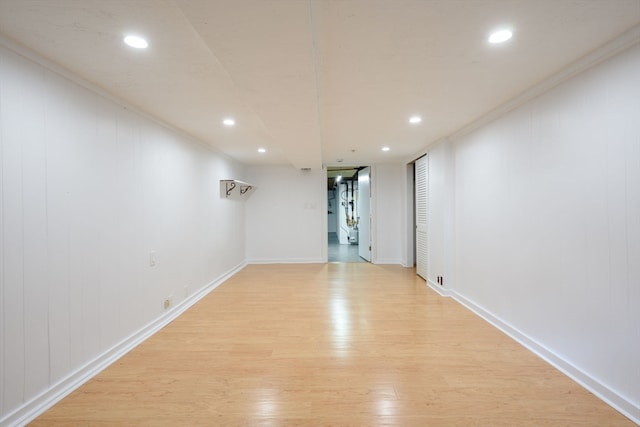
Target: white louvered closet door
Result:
[[422, 210]]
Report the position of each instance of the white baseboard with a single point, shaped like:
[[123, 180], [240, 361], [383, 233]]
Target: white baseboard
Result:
[[439, 289], [39, 404], [602, 391]]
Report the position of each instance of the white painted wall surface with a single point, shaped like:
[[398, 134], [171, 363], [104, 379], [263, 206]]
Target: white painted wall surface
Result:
[[436, 213], [548, 223], [387, 209], [88, 189], [286, 216], [441, 215]]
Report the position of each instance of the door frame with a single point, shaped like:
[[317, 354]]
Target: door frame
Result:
[[372, 212], [368, 219]]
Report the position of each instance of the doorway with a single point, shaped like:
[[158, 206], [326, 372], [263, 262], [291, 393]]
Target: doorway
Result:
[[348, 224]]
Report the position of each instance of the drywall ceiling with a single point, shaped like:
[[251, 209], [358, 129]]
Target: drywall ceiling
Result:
[[315, 82]]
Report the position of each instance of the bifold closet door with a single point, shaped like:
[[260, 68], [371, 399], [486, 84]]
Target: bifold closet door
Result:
[[422, 205]]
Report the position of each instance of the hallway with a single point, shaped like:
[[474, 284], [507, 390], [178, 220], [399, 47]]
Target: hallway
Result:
[[342, 253], [330, 344]]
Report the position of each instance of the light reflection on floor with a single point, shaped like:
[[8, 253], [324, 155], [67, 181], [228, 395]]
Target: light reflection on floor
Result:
[[341, 320]]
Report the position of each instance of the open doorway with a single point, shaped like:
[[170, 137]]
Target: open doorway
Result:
[[348, 224]]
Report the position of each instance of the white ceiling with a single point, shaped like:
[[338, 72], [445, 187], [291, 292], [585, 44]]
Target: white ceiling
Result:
[[314, 81]]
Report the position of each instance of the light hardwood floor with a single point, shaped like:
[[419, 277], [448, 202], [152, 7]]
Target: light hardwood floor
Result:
[[335, 345]]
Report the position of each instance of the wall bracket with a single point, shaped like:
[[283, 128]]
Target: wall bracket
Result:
[[232, 188]]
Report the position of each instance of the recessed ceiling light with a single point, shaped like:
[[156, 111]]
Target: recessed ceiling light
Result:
[[338, 178], [262, 150], [500, 36], [229, 122], [415, 119], [136, 41], [386, 148]]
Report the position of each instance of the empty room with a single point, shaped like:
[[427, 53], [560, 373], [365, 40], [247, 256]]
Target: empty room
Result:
[[320, 212]]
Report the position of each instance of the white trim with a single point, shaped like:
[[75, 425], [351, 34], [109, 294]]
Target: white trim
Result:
[[424, 151], [604, 52], [53, 67], [45, 400], [443, 292], [625, 406]]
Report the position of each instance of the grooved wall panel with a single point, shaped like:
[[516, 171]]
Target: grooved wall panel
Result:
[[88, 189], [13, 234], [548, 221]]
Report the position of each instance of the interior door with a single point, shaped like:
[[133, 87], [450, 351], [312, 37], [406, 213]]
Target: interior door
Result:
[[364, 212], [422, 205]]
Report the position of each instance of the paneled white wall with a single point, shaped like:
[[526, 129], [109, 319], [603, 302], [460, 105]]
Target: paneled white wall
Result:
[[548, 223], [441, 215], [88, 189], [286, 216]]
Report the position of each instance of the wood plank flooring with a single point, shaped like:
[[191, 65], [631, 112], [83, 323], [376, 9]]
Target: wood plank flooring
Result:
[[330, 345]]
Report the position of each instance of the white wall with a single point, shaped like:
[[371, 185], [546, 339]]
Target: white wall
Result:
[[88, 189], [548, 225], [286, 216], [387, 183], [441, 214]]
